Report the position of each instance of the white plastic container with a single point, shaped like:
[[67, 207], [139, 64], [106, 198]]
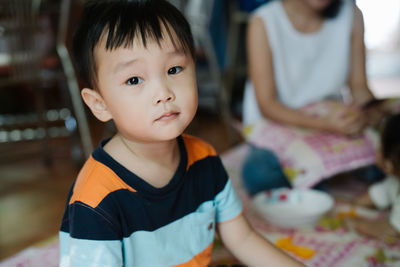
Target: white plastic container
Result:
[[292, 208]]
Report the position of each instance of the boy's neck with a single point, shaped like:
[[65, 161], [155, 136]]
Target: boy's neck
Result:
[[151, 151], [155, 163]]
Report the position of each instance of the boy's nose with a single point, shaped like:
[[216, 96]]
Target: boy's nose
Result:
[[164, 94], [164, 99]]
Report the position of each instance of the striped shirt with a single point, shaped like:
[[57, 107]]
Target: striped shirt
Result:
[[114, 218]]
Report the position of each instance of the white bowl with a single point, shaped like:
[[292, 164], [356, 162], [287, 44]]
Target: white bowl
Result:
[[292, 208]]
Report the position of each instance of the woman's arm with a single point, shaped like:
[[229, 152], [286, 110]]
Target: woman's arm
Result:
[[358, 83], [251, 248], [358, 78], [261, 73]]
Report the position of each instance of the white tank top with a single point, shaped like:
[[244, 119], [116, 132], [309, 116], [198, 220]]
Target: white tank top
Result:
[[308, 67]]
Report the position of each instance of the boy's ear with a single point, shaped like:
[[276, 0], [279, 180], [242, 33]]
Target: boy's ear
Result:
[[96, 104]]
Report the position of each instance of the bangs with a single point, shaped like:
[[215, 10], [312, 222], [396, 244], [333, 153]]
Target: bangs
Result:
[[123, 34], [134, 23]]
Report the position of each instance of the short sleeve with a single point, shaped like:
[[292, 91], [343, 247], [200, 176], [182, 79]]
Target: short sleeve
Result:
[[85, 253], [88, 239], [228, 203]]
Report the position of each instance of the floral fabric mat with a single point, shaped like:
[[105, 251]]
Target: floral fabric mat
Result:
[[326, 244], [308, 156], [43, 254]]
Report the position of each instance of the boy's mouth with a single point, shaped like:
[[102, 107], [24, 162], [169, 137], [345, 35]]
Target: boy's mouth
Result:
[[168, 116]]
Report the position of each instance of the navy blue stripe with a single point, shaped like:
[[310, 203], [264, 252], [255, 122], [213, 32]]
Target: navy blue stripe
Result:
[[89, 223], [65, 220]]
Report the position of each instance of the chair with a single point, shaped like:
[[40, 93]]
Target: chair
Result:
[[213, 92], [34, 59]]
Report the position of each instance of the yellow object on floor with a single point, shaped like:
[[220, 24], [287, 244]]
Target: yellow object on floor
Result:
[[285, 243]]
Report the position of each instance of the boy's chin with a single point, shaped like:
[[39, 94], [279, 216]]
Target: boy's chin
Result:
[[168, 135]]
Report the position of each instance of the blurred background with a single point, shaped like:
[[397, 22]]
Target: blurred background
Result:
[[46, 132]]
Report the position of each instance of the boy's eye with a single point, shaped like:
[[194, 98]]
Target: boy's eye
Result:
[[134, 81], [175, 70]]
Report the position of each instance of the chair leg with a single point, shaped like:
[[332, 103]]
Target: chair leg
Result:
[[76, 100], [72, 82]]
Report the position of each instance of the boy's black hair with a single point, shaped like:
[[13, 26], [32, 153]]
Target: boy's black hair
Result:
[[121, 22], [390, 141], [332, 9]]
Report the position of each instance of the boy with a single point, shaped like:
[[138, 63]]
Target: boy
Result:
[[149, 196], [386, 193]]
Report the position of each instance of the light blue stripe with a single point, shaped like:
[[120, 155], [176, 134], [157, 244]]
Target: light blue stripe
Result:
[[174, 243], [89, 253]]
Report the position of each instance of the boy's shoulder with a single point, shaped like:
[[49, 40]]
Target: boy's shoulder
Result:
[[197, 148], [94, 182], [198, 144]]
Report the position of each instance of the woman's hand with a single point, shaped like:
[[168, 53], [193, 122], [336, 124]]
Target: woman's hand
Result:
[[346, 120]]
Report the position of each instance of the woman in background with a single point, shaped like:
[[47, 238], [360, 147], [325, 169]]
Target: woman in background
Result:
[[300, 52]]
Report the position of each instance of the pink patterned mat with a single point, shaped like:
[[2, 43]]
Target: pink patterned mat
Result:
[[308, 156], [329, 247], [44, 254]]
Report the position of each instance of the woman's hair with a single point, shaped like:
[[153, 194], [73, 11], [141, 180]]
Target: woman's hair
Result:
[[390, 141], [332, 9], [121, 22]]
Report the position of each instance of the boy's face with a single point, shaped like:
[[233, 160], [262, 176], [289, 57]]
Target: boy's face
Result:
[[150, 93]]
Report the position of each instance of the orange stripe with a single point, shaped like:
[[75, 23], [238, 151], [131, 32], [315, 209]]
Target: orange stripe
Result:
[[95, 181], [200, 260], [197, 149]]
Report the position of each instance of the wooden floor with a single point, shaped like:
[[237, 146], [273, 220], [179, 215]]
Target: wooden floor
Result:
[[32, 196]]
